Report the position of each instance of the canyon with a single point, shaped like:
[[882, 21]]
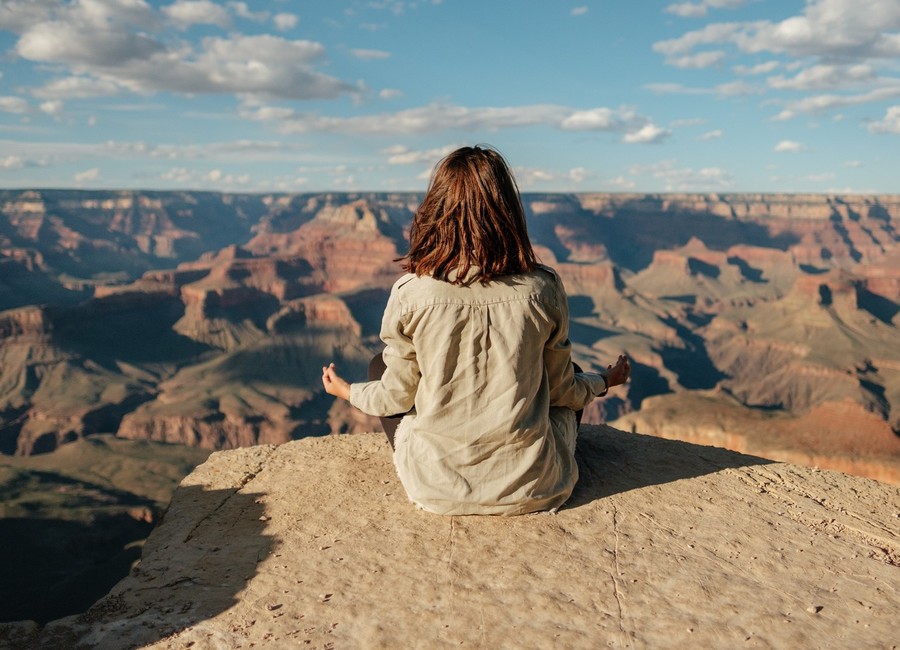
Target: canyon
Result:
[[764, 323]]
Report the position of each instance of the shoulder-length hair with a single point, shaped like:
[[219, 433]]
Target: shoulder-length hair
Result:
[[470, 219]]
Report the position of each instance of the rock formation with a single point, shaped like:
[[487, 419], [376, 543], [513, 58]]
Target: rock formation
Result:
[[663, 544]]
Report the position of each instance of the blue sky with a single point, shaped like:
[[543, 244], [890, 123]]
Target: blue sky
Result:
[[605, 95]]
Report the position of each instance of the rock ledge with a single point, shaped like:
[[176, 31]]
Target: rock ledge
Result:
[[664, 544]]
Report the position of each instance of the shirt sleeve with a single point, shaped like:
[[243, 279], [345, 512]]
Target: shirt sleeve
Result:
[[395, 392], [568, 388]]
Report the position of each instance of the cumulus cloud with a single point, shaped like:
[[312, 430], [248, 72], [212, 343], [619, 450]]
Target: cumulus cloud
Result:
[[729, 89], [822, 77], [830, 29], [649, 134], [390, 93], [789, 146], [285, 21], [109, 46], [698, 60], [185, 13], [684, 179], [836, 45], [528, 176], [13, 105], [819, 103], [241, 10], [77, 87], [711, 135], [435, 118], [578, 175], [699, 9], [759, 68], [622, 183], [402, 155], [87, 175], [11, 162], [216, 177], [889, 124], [52, 107]]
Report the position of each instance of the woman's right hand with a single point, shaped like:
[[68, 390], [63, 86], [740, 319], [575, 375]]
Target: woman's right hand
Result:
[[334, 384]]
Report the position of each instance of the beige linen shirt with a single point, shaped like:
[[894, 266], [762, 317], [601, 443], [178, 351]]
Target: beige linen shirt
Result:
[[485, 373]]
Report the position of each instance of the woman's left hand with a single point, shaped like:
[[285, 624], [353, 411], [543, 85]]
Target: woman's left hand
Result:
[[618, 374], [334, 384]]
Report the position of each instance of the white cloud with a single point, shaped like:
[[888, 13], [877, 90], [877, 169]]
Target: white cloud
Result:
[[11, 104], [11, 162], [738, 87], [729, 89], [402, 155], [185, 13], [789, 146], [216, 177], [241, 10], [698, 60], [435, 118], [699, 9], [578, 175], [285, 21], [820, 103], [821, 77], [684, 179], [648, 134], [821, 178], [87, 175], [528, 176], [77, 87], [687, 9], [108, 45], [390, 93], [759, 68], [853, 164], [711, 135], [18, 15], [852, 30], [52, 107], [889, 124], [715, 33], [579, 11], [368, 55], [671, 88], [622, 183]]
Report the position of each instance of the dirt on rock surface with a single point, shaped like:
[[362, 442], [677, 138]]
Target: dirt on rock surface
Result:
[[663, 544]]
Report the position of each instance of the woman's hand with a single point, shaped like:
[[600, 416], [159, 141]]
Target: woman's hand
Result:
[[618, 374], [334, 384]]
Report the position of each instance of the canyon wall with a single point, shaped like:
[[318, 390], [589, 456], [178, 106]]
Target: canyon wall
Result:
[[204, 318]]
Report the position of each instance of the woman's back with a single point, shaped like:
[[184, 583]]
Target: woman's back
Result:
[[473, 358]]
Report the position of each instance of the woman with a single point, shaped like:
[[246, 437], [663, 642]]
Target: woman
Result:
[[477, 356]]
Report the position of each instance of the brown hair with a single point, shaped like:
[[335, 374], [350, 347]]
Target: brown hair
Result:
[[471, 216]]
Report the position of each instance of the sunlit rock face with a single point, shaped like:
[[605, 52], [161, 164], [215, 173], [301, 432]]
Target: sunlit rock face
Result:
[[205, 318]]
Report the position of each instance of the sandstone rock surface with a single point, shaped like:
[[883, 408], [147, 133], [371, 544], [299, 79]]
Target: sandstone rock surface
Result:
[[663, 544]]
